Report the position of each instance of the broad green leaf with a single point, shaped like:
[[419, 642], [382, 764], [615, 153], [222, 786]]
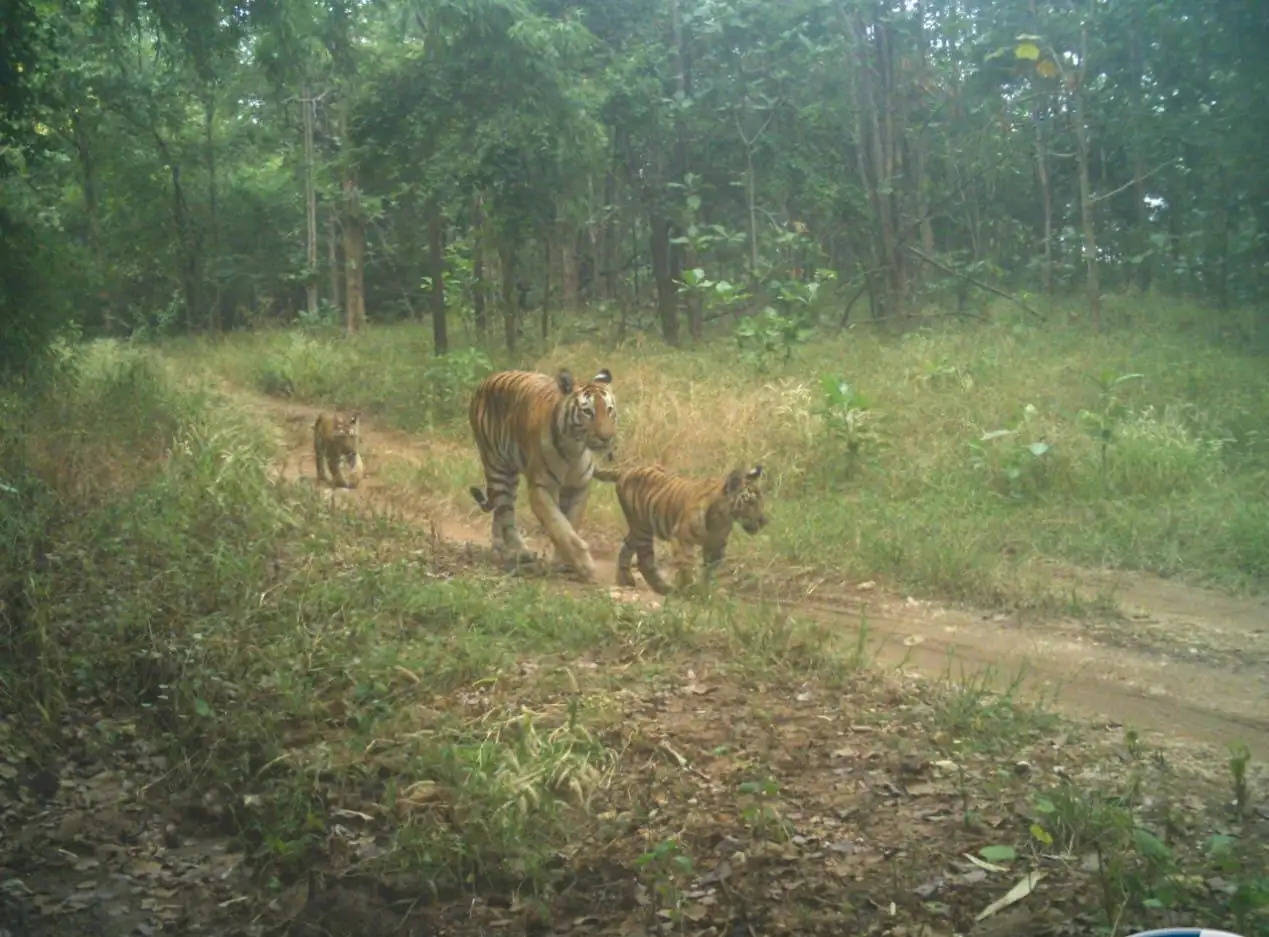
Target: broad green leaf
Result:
[[999, 853]]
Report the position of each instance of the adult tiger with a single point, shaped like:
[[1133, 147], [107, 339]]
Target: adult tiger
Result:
[[688, 512], [552, 431]]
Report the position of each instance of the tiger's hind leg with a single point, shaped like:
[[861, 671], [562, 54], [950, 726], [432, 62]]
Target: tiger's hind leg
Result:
[[508, 545]]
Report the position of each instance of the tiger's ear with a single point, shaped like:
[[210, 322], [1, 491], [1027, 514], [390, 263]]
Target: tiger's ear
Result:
[[603, 377], [735, 481], [755, 472], [565, 381]]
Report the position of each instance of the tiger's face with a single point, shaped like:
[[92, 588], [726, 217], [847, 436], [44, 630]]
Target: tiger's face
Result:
[[592, 410], [745, 497]]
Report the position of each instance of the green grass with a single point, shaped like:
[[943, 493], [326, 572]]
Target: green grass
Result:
[[290, 657], [970, 458], [295, 663]]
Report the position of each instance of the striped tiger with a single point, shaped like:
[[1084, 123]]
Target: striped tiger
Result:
[[688, 512], [335, 449], [552, 431]]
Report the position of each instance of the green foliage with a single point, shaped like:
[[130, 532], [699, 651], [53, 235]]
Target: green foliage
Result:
[[669, 867], [1015, 466], [769, 336], [760, 809], [1102, 421], [849, 425]]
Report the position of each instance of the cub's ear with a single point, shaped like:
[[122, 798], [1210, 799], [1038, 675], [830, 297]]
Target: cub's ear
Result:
[[603, 377], [755, 472], [735, 481], [565, 381]]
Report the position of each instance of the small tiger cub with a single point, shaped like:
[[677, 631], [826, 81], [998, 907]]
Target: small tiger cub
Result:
[[335, 449], [688, 512]]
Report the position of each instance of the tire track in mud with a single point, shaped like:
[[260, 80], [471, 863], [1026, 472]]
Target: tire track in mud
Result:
[[1166, 688]]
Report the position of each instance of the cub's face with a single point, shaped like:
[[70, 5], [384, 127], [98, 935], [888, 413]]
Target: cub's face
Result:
[[746, 499], [340, 433]]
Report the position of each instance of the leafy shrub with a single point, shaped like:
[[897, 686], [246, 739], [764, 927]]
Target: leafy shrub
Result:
[[448, 381], [848, 424]]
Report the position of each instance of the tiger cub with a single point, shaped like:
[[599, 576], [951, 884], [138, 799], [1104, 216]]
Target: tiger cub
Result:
[[335, 449], [688, 512]]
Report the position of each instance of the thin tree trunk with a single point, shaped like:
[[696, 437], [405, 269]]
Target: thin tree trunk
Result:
[[1136, 147], [354, 255], [568, 270], [510, 308], [479, 287], [213, 217], [88, 168], [307, 106], [609, 239], [1087, 207], [189, 248], [436, 265], [1046, 202], [332, 262], [919, 145], [662, 272], [546, 285]]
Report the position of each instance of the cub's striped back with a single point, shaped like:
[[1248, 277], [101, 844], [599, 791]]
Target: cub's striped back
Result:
[[688, 512], [550, 430]]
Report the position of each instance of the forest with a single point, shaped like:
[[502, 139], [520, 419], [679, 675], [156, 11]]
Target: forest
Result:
[[203, 165], [969, 299]]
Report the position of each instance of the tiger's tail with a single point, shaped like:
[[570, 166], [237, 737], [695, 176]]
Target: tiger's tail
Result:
[[606, 475], [485, 502]]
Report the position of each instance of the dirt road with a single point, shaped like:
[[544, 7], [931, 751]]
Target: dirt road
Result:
[[1185, 662]]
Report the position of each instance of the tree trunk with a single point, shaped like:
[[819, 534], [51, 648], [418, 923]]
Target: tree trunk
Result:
[[667, 288], [354, 255], [1046, 202], [919, 145], [189, 249], [546, 285], [92, 210], [436, 267], [569, 285], [510, 308], [1087, 206], [610, 231], [1136, 147], [213, 217], [332, 262], [307, 106], [479, 287], [871, 64]]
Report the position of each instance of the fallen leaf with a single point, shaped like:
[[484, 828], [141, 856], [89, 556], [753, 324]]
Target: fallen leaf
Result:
[[1024, 887]]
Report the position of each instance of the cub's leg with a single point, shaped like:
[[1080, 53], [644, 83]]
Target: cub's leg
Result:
[[625, 560], [568, 544], [642, 543], [335, 463], [319, 457], [684, 563], [356, 468]]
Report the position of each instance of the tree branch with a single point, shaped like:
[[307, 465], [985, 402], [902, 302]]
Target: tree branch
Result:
[[978, 283], [1133, 181]]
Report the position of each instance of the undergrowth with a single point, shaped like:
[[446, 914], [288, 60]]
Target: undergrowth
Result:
[[955, 460], [301, 665]]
